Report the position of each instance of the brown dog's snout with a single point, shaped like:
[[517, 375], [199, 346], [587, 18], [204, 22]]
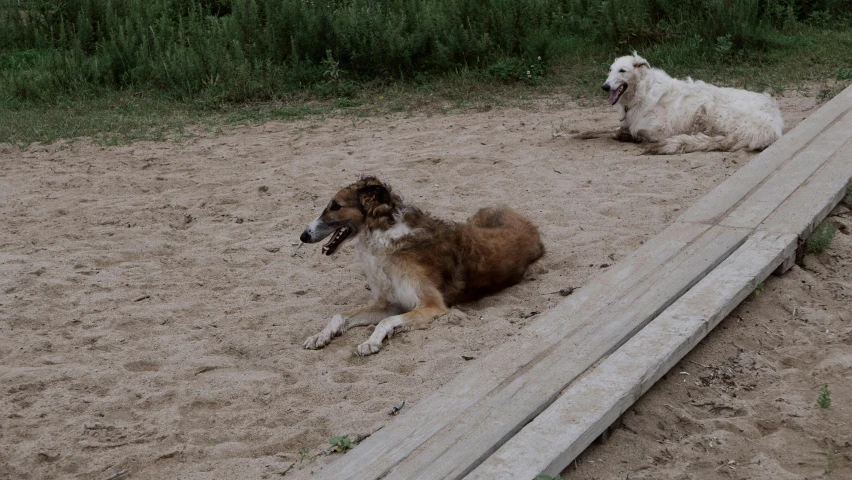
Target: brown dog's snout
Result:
[[305, 237]]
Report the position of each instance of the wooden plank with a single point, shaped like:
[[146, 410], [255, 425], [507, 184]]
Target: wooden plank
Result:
[[732, 191], [815, 199], [376, 455], [788, 178], [550, 442], [461, 446]]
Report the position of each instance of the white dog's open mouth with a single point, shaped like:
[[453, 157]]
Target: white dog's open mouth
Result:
[[337, 238], [616, 94]]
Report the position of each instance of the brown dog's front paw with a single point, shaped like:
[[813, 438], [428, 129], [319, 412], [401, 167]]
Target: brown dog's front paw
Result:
[[368, 348]]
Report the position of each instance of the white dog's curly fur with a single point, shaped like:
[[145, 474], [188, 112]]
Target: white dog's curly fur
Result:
[[678, 116]]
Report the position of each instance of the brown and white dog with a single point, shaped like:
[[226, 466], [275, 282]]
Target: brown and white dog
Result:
[[416, 265]]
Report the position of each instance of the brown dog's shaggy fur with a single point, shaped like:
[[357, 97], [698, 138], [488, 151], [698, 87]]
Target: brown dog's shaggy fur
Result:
[[416, 263]]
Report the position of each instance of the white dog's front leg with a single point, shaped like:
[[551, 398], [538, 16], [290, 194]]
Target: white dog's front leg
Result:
[[385, 328]]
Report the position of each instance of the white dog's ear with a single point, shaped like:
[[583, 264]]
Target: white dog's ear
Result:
[[639, 61]]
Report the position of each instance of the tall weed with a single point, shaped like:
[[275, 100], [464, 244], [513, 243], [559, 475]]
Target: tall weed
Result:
[[236, 50]]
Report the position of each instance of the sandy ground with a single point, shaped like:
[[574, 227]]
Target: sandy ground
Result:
[[743, 404], [153, 302]]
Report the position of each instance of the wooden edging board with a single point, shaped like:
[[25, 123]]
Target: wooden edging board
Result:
[[453, 431], [550, 442]]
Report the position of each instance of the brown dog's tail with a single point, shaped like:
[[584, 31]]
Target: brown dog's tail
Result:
[[519, 235]]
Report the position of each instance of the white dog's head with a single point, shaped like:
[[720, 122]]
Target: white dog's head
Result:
[[625, 73]]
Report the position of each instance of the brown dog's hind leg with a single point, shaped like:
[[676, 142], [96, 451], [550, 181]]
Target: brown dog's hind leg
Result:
[[357, 317], [418, 318]]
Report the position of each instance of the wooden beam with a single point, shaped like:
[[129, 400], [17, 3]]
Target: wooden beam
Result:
[[550, 442], [463, 439], [814, 199], [450, 433], [791, 176], [446, 408], [730, 193]]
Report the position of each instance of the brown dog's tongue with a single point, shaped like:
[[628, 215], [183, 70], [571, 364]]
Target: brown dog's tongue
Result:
[[613, 97]]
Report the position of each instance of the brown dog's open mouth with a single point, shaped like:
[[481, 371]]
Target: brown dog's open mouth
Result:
[[337, 238], [616, 94]]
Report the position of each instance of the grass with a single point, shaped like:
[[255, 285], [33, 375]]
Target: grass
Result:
[[57, 85], [759, 289], [829, 462], [824, 399], [821, 238], [305, 455], [341, 443], [125, 116]]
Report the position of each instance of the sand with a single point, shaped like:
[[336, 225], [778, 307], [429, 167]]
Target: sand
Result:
[[743, 404], [153, 300]]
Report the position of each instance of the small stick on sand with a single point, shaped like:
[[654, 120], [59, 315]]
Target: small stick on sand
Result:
[[295, 252], [116, 475], [593, 134], [564, 292]]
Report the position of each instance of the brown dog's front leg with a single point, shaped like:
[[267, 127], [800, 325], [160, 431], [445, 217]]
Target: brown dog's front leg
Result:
[[369, 315], [418, 318]]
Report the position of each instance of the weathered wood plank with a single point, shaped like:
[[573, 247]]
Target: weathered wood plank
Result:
[[450, 432], [735, 189], [550, 442], [374, 457], [461, 446], [789, 177], [813, 200]]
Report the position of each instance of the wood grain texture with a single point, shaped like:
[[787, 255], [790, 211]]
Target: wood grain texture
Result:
[[802, 211], [791, 176], [550, 442], [382, 451], [736, 189], [461, 446]]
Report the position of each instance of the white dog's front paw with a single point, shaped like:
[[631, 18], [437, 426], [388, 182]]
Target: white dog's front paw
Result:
[[368, 348], [317, 341]]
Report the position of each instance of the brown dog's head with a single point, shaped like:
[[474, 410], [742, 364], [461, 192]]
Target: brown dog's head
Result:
[[349, 211]]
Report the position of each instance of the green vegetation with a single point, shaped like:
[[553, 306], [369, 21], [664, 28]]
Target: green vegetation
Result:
[[824, 399], [821, 238], [341, 443], [304, 454], [148, 68], [829, 462], [759, 289]]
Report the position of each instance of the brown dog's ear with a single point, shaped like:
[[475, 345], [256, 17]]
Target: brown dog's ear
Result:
[[375, 200]]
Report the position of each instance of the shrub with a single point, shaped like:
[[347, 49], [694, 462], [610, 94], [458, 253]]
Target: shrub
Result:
[[234, 50]]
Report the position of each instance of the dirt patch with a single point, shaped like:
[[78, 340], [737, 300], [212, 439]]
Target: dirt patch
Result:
[[153, 300]]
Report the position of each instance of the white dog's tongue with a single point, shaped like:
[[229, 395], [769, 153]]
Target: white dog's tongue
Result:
[[613, 97]]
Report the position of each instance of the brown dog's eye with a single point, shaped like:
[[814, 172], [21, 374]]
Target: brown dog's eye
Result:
[[622, 71], [334, 206]]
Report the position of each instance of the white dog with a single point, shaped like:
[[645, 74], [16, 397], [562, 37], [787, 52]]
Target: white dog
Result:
[[679, 116]]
